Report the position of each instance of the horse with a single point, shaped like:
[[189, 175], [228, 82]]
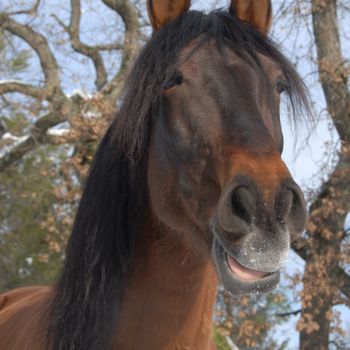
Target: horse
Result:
[[187, 190]]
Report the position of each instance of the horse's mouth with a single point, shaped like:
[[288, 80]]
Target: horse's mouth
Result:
[[243, 273], [239, 279]]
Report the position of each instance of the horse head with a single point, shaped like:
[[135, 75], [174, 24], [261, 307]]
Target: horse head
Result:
[[215, 173]]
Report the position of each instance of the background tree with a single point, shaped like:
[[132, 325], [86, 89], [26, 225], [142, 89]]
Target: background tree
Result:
[[250, 321], [53, 115], [25, 197], [325, 244], [48, 135]]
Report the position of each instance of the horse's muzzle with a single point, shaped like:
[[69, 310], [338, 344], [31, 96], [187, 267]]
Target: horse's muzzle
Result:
[[251, 229]]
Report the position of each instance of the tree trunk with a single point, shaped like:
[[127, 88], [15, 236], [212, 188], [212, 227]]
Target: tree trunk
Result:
[[325, 230], [325, 234]]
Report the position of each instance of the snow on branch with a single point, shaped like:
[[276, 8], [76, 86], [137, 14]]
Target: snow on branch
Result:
[[13, 148]]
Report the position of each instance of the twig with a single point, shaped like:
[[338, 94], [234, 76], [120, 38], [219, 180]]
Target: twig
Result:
[[291, 313], [30, 11]]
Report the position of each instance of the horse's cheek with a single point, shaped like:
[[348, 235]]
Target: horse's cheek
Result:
[[163, 193]]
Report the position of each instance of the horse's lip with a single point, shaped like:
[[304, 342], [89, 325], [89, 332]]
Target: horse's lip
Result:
[[239, 270], [243, 273], [230, 253], [263, 283]]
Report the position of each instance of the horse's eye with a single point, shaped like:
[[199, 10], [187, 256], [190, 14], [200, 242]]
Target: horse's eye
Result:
[[174, 80], [281, 86]]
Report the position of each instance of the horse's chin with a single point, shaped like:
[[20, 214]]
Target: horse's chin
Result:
[[238, 279]]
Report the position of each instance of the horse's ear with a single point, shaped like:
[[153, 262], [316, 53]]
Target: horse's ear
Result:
[[161, 12], [255, 12]]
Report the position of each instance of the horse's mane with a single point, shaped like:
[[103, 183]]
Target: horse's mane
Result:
[[89, 290]]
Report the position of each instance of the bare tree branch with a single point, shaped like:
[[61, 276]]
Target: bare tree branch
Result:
[[93, 52], [30, 11], [17, 152], [47, 60], [61, 107], [37, 135], [2, 129], [26, 89], [129, 14]]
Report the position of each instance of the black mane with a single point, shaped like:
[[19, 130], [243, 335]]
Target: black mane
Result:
[[90, 288]]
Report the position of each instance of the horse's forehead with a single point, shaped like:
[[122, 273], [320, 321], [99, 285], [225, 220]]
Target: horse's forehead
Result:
[[271, 68], [196, 57], [231, 92]]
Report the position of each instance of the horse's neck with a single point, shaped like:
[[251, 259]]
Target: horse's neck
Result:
[[169, 300]]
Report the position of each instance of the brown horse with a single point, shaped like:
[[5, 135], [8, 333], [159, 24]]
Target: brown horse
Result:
[[187, 187]]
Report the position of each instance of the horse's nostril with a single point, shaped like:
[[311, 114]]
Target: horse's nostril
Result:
[[291, 208], [284, 204], [243, 204]]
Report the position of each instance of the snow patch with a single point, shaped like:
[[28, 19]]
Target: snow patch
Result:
[[16, 140], [58, 132]]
